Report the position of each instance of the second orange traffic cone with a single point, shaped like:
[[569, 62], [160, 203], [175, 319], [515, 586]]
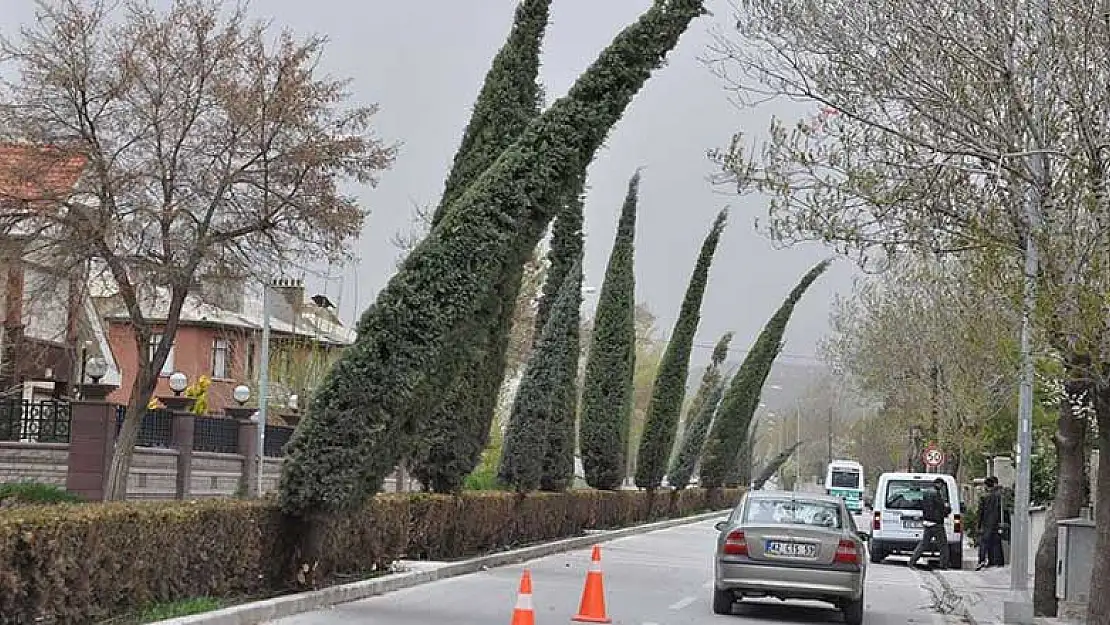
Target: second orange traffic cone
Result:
[[592, 608], [524, 613]]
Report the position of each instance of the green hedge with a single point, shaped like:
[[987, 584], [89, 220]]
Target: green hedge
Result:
[[80, 563]]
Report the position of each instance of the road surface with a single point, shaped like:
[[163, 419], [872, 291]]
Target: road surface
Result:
[[661, 578]]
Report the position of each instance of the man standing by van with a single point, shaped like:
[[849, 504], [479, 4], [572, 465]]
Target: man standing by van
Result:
[[934, 510], [990, 526]]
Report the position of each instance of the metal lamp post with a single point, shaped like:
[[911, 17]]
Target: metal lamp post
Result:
[[263, 383]]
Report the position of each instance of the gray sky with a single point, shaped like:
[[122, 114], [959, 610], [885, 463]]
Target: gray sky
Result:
[[423, 61]]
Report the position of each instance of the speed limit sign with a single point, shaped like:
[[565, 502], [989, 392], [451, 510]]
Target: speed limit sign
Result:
[[933, 457]]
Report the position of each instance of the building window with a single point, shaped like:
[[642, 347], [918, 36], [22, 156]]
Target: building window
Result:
[[155, 340], [250, 360], [220, 357]]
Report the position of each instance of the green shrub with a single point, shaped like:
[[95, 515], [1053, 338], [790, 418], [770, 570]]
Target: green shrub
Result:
[[35, 493], [82, 563]]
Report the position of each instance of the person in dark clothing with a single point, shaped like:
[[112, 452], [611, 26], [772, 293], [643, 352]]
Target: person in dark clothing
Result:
[[990, 526], [934, 510]]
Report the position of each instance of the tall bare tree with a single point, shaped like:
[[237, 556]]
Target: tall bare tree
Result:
[[216, 150]]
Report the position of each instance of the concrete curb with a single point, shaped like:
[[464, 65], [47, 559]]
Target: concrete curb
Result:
[[289, 605]]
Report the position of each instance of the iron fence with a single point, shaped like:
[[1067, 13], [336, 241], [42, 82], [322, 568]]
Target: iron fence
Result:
[[45, 421], [156, 429], [216, 434], [276, 438]]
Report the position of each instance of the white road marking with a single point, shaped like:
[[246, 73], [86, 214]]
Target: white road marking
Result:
[[682, 603]]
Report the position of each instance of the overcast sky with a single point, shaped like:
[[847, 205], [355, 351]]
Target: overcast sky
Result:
[[423, 61]]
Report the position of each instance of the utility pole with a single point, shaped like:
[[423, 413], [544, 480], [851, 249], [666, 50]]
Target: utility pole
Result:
[[1019, 609], [830, 435], [798, 446], [263, 382]]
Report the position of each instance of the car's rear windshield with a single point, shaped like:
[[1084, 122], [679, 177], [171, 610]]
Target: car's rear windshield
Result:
[[845, 478], [793, 512], [909, 494]]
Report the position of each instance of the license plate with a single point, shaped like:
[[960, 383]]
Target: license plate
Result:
[[790, 550], [912, 524]]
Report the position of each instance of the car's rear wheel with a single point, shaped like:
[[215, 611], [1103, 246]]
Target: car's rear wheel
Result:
[[723, 601], [853, 611]]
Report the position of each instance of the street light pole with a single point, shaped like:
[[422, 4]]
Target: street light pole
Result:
[[798, 445], [1020, 609], [263, 383]]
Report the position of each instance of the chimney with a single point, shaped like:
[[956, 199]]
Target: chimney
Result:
[[290, 299]]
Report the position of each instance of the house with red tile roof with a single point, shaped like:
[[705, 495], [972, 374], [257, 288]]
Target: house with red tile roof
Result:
[[50, 325]]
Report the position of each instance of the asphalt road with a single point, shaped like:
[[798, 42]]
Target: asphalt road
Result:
[[662, 578]]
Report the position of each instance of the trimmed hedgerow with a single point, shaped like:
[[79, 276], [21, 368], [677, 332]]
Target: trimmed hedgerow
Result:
[[86, 563], [611, 361], [537, 414], [730, 429], [669, 389], [450, 442], [357, 425]]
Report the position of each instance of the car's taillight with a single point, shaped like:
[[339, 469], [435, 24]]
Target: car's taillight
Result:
[[735, 544], [846, 553], [877, 523], [957, 524]]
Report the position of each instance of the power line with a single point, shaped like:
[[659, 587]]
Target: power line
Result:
[[744, 352]]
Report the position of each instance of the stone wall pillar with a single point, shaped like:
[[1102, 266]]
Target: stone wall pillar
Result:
[[184, 423], [248, 448], [92, 437]]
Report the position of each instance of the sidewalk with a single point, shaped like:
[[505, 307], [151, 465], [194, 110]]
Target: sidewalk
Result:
[[978, 597]]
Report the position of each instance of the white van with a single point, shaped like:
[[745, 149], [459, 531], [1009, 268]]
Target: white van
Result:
[[897, 527]]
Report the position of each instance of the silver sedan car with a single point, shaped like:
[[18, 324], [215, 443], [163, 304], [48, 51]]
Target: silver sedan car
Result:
[[789, 545]]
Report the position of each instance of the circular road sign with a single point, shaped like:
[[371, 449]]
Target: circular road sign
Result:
[[933, 457]]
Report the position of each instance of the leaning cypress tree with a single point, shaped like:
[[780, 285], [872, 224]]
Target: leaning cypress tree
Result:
[[357, 424], [509, 100], [611, 362], [746, 459], [700, 416], [730, 429], [461, 402], [669, 390], [686, 461], [566, 260], [566, 249], [773, 466], [535, 417]]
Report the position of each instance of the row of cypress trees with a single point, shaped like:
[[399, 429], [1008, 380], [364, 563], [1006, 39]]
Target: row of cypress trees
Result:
[[439, 321], [539, 447], [421, 381]]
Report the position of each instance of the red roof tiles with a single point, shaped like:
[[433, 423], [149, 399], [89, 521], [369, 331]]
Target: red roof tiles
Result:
[[29, 172]]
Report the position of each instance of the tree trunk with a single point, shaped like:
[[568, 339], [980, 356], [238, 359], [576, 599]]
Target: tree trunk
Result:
[[1098, 608], [119, 469], [1070, 442]]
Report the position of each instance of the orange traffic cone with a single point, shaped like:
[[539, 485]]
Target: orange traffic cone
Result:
[[592, 608], [523, 613]]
